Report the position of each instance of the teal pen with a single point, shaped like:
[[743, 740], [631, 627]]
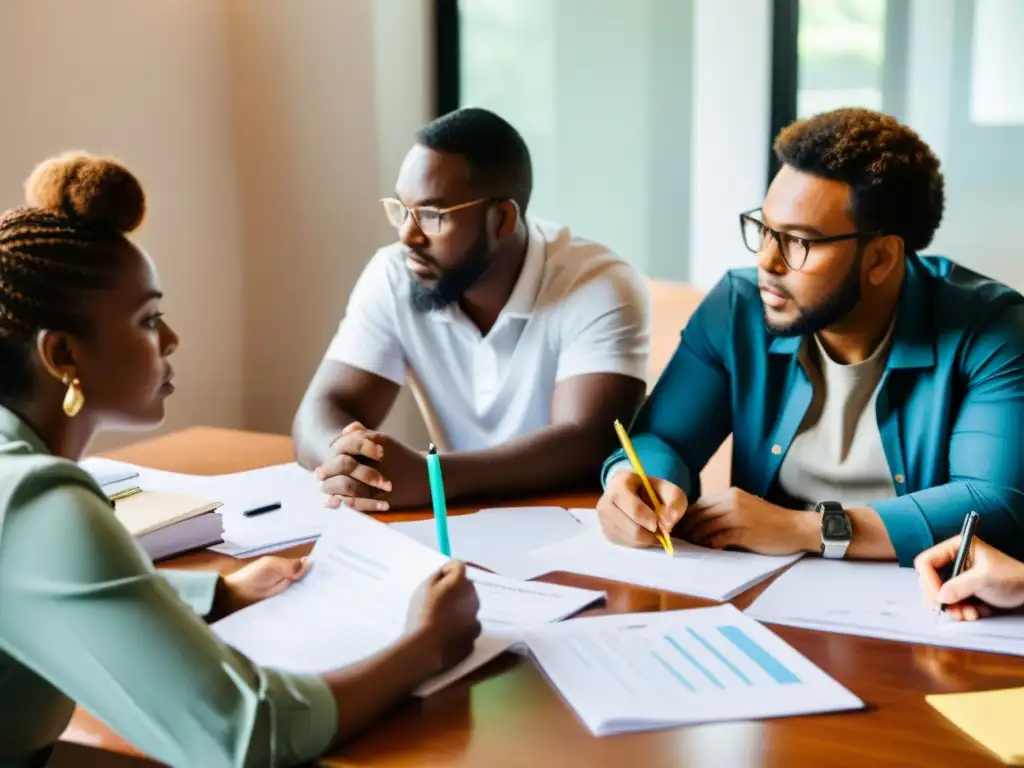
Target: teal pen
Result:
[[437, 497]]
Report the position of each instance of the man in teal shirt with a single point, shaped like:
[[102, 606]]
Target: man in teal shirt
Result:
[[874, 396]]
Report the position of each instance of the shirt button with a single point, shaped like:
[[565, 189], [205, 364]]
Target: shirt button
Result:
[[899, 478], [776, 449]]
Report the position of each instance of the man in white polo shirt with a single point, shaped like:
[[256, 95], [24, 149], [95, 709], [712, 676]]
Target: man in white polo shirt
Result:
[[526, 341]]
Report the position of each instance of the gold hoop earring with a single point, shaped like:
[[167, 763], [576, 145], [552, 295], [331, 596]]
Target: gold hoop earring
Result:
[[74, 399]]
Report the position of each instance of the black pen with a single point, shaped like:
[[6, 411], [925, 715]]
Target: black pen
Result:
[[261, 510], [966, 537]]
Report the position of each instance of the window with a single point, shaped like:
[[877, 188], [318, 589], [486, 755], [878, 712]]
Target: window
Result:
[[953, 70], [841, 54]]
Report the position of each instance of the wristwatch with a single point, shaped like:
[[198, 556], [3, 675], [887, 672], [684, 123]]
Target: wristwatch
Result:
[[836, 530]]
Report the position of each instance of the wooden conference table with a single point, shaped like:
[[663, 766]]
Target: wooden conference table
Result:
[[507, 715]]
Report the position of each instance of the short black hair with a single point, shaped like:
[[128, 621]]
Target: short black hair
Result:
[[897, 187], [498, 158]]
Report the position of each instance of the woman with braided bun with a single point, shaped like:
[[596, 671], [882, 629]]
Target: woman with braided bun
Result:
[[84, 617]]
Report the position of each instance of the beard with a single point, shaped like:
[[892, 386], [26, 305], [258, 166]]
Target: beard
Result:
[[453, 283], [828, 311]]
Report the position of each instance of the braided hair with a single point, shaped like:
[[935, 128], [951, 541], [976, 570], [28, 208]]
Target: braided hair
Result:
[[67, 240]]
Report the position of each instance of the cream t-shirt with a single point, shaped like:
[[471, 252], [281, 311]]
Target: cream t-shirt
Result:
[[837, 454]]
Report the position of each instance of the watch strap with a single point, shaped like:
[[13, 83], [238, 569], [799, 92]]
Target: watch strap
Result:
[[834, 550]]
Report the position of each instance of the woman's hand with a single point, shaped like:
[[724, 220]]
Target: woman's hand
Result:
[[257, 581], [443, 614], [995, 579]]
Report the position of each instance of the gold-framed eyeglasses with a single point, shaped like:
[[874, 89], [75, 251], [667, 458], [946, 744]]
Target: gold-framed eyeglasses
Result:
[[793, 249], [428, 218]]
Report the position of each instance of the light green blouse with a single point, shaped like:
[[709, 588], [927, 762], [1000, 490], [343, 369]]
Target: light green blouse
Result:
[[85, 618]]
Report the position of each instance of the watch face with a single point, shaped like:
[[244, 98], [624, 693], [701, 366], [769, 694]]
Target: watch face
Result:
[[836, 527]]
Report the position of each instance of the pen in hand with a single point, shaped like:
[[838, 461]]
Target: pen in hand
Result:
[[967, 532]]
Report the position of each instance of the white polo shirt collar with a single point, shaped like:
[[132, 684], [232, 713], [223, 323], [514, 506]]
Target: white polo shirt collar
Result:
[[523, 298], [576, 309]]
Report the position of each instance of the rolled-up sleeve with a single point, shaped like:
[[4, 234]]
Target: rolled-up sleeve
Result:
[[986, 450], [84, 609]]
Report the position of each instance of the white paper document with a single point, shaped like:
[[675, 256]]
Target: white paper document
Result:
[[300, 519], [876, 600], [708, 573], [354, 602], [114, 476], [107, 472], [499, 539], [633, 672], [584, 516], [508, 606]]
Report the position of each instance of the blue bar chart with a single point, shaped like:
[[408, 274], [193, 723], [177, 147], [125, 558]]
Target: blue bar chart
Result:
[[626, 673]]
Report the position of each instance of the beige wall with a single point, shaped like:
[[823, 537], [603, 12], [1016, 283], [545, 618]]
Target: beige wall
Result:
[[310, 155], [255, 126], [147, 82]]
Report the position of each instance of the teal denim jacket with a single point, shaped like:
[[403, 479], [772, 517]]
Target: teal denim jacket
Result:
[[950, 404]]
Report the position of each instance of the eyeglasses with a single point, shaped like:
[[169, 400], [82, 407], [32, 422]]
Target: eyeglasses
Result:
[[428, 218], [793, 249]]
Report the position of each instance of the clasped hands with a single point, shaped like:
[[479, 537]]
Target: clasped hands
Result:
[[733, 518], [373, 472]]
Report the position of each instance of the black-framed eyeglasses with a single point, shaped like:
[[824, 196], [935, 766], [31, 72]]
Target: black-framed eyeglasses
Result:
[[793, 249]]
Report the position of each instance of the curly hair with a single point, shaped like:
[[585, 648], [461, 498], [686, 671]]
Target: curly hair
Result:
[[896, 185], [68, 239]]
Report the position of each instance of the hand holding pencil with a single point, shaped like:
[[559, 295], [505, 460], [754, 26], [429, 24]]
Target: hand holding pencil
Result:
[[637, 510]]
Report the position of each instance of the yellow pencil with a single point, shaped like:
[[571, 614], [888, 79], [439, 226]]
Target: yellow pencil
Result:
[[627, 446]]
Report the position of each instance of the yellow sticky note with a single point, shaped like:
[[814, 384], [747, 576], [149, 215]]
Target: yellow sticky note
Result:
[[992, 718]]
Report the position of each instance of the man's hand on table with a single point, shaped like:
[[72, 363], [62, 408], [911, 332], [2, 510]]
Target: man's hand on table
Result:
[[373, 472]]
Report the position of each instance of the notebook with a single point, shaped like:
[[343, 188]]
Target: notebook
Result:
[[167, 524], [991, 718]]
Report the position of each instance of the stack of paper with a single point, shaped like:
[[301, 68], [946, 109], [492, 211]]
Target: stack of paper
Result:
[[990, 717], [300, 518], [167, 524], [876, 600], [709, 573], [169, 514], [355, 599], [109, 473], [499, 539], [113, 476], [658, 670]]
